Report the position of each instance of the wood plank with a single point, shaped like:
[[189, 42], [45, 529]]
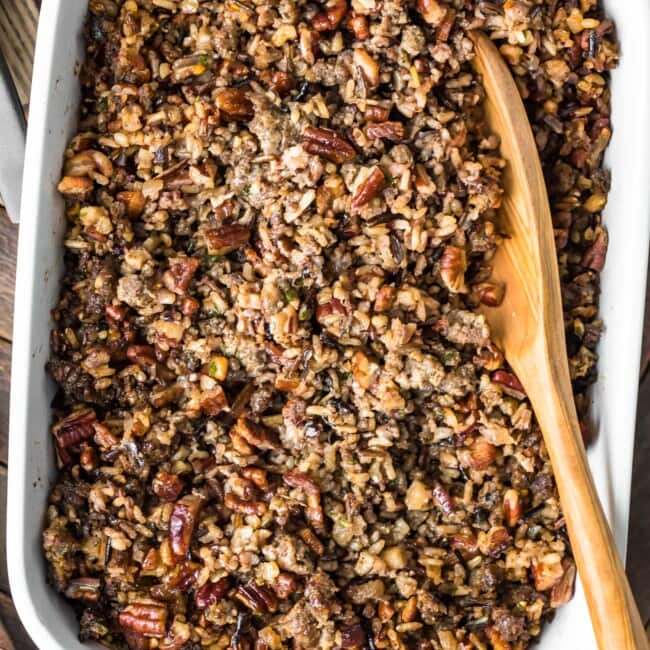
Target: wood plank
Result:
[[15, 628], [638, 567], [8, 246], [5, 379]]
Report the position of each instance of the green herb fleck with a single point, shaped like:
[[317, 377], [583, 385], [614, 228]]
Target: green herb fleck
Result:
[[212, 369], [290, 294], [204, 59], [305, 313]]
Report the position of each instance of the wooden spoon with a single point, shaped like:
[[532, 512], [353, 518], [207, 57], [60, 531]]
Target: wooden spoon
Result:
[[529, 328]]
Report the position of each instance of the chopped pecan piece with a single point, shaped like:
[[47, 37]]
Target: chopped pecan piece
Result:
[[166, 486], [594, 256], [384, 298], [300, 480], [433, 11], [182, 523], [227, 238], [358, 25], [143, 355], [75, 187], [189, 306], [180, 274], [368, 189], [213, 401], [283, 83], [235, 105], [328, 144], [88, 163], [255, 434], [86, 589], [257, 598], [562, 590], [330, 313], [376, 113], [145, 619], [285, 584], [72, 430], [482, 454], [211, 593], [134, 202], [490, 293], [308, 536], [236, 503], [509, 380], [330, 18], [442, 498], [368, 66], [453, 265], [512, 508], [393, 131]]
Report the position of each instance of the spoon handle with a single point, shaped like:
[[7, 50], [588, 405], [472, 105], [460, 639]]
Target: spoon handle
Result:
[[614, 613]]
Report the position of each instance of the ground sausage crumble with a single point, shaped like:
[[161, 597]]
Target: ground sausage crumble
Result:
[[281, 422]]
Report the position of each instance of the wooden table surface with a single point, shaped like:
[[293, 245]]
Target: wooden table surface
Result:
[[17, 31]]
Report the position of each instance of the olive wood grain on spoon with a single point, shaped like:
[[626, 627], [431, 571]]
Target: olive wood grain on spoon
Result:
[[529, 328]]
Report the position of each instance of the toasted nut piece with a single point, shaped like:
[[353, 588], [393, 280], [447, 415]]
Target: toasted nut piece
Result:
[[331, 17], [146, 619], [482, 454], [88, 457], [257, 598], [364, 371], [495, 542], [453, 265], [377, 114], [211, 593], [369, 188], [384, 298], [393, 131], [285, 584], [166, 486], [442, 498], [331, 312], [512, 508], [87, 163], [418, 496], [227, 238], [433, 11], [368, 66], [464, 542], [116, 312], [308, 536], [300, 480], [256, 475], [358, 25], [189, 306], [594, 256], [218, 368], [255, 434], [309, 45], [410, 610], [75, 187], [354, 637], [86, 589], [509, 380], [423, 183], [385, 611], [134, 202], [143, 355], [396, 557], [213, 401], [72, 430], [233, 502], [490, 293], [328, 144], [283, 83], [547, 571], [182, 523], [235, 105], [562, 590]]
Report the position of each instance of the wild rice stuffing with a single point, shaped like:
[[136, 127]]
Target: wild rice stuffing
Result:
[[281, 422]]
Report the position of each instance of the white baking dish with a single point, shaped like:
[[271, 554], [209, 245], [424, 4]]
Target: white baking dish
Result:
[[53, 114]]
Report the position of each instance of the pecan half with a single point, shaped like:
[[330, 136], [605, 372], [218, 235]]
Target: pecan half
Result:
[[227, 238], [257, 598], [88, 163], [182, 523], [300, 480], [328, 144], [235, 105], [330, 18], [562, 590], [368, 189], [145, 619], [211, 593], [166, 486], [453, 265], [255, 434], [86, 589], [377, 113], [393, 131], [72, 430], [180, 273], [482, 454]]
